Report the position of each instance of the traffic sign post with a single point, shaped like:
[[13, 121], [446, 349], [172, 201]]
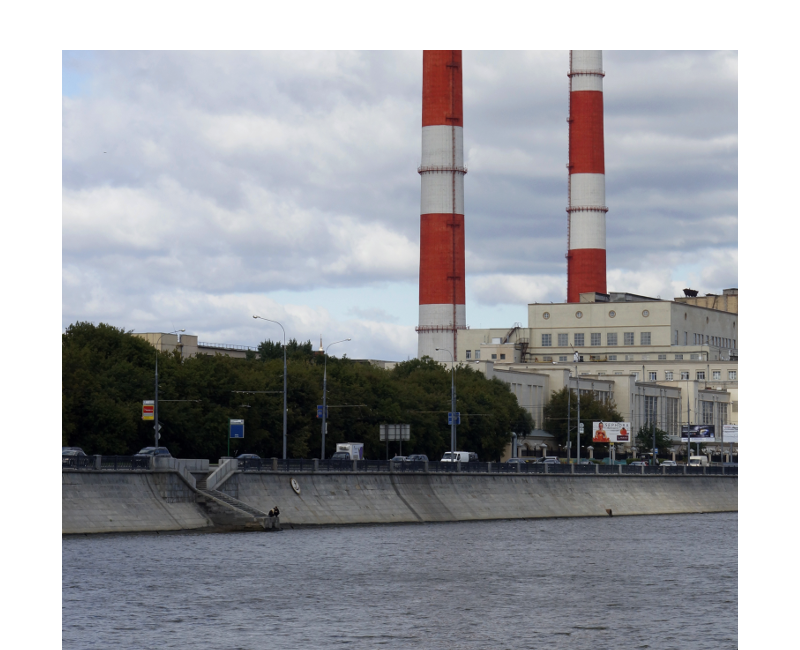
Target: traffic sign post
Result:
[[235, 430], [319, 411], [457, 415]]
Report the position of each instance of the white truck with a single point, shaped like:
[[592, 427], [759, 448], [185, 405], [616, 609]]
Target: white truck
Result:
[[455, 456], [354, 451], [698, 461]]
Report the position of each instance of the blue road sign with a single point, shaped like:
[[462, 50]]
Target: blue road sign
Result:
[[319, 412], [237, 429], [450, 418]]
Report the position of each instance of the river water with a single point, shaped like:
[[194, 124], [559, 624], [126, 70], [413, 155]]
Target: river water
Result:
[[617, 582]]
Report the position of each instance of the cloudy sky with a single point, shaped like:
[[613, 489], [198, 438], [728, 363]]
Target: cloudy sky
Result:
[[199, 189]]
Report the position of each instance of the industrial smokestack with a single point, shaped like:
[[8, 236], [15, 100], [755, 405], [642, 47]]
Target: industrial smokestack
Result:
[[586, 233], [442, 310]]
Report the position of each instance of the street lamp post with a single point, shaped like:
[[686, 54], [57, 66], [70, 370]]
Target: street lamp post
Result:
[[156, 434], [576, 358], [284, 379], [452, 399], [324, 394]]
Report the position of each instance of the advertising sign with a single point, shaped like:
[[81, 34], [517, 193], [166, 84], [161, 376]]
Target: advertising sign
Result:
[[730, 433], [395, 432], [148, 408], [618, 432], [237, 429], [697, 432]]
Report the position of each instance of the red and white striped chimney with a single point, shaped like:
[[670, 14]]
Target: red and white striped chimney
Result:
[[442, 310], [586, 238]]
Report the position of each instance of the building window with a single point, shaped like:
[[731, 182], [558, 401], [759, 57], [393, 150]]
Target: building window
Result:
[[579, 339], [628, 357], [562, 358], [644, 338], [678, 357], [676, 337], [503, 356], [716, 374], [600, 373], [547, 340], [653, 376], [469, 354], [635, 376], [612, 357], [707, 412], [694, 357], [595, 338], [650, 409], [645, 357], [662, 357], [546, 315], [732, 375], [545, 358], [563, 340], [686, 338], [611, 338], [628, 338], [701, 375], [494, 356], [477, 354], [618, 372], [668, 375], [684, 374]]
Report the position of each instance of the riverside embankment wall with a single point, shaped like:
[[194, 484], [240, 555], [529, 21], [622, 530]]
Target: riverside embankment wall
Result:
[[393, 498], [119, 501], [123, 502]]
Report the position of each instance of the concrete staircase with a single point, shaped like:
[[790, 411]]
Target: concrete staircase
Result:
[[226, 511]]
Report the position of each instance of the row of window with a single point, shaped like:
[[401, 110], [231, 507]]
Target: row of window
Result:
[[716, 341], [669, 375], [579, 339]]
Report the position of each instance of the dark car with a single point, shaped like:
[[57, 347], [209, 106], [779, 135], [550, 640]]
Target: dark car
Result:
[[341, 455], [515, 461], [248, 457], [399, 459], [72, 456], [152, 451], [417, 458], [473, 457]]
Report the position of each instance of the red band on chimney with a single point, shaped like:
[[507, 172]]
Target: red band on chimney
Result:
[[442, 101], [441, 281], [586, 150], [587, 272]]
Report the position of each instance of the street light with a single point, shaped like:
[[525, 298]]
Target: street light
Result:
[[157, 435], [284, 379], [576, 358], [452, 400], [324, 393]]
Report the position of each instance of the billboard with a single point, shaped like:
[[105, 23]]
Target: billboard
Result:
[[619, 432], [394, 432], [697, 432], [730, 433]]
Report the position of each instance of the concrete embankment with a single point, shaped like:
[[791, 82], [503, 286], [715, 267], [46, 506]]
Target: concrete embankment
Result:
[[103, 502], [121, 501], [391, 498]]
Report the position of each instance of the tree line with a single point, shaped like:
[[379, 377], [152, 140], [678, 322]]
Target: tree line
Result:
[[107, 373]]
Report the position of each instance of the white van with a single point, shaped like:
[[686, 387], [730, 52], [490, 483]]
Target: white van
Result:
[[698, 461], [455, 456]]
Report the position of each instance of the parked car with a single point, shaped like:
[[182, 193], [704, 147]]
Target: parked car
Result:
[[399, 459], [152, 451], [341, 455], [668, 463], [248, 457], [70, 456], [473, 457], [515, 461], [548, 460], [585, 461], [638, 463], [417, 458]]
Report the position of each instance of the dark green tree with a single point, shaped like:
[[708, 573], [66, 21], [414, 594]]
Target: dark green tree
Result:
[[592, 410], [644, 439]]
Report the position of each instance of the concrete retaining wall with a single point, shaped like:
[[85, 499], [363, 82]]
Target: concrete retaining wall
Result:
[[385, 498], [119, 501]]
